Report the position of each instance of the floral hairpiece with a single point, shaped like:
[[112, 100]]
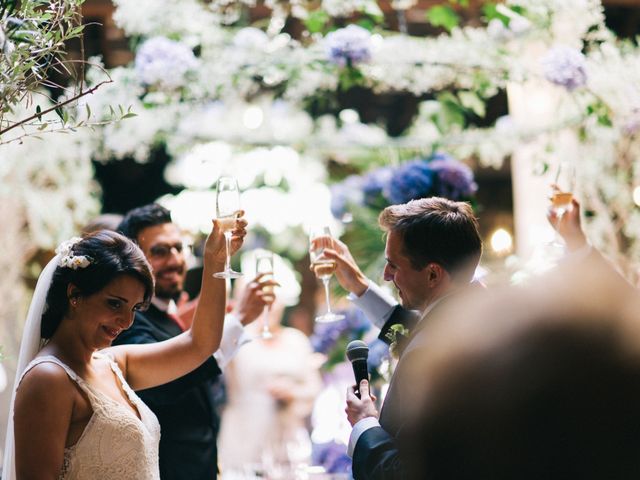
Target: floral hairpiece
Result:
[[68, 259]]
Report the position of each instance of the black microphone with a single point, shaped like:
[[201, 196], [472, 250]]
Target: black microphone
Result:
[[357, 353]]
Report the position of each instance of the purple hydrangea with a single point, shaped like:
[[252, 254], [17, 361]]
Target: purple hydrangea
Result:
[[348, 46], [349, 191], [326, 335], [410, 181], [332, 456], [453, 179], [378, 351], [565, 66], [373, 185], [164, 63]]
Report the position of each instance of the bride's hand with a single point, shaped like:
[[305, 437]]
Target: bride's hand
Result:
[[215, 249]]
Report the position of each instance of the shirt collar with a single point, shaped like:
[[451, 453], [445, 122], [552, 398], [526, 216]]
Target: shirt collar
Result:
[[164, 305]]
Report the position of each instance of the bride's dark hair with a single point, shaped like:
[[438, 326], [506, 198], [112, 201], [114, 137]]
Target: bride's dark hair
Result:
[[110, 255]]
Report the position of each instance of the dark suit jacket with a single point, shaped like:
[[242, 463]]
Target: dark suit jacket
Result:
[[376, 455], [184, 407]]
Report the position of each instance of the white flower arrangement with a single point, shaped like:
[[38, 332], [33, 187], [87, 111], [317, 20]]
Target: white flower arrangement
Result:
[[68, 259]]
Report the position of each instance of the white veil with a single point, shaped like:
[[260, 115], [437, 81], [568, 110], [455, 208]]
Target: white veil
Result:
[[29, 347]]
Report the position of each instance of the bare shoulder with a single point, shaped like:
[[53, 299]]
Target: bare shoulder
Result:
[[45, 384]]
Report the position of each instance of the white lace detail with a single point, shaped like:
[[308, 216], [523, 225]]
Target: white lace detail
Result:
[[115, 444]]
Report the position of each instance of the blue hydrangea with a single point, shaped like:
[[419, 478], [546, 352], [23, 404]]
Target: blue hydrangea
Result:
[[378, 351], [345, 193], [348, 46], [453, 179], [565, 66], [326, 335], [410, 181], [373, 185], [164, 63], [332, 456]]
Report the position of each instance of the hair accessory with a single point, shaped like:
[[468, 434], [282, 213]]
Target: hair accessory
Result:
[[68, 259]]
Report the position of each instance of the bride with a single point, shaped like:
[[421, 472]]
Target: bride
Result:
[[74, 412]]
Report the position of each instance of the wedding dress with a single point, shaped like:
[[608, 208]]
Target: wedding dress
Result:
[[115, 444]]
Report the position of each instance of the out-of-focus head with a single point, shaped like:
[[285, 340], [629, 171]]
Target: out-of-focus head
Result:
[[161, 241], [429, 239], [91, 264], [106, 221], [530, 383]]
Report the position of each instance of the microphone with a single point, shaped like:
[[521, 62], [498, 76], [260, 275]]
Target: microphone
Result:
[[357, 353]]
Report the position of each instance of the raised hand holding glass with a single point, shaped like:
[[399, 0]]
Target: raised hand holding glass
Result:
[[227, 208], [323, 268]]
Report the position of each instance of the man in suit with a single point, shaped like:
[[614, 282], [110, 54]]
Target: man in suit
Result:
[[432, 250], [185, 407]]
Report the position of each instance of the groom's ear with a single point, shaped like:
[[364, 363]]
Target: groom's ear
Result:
[[435, 274]]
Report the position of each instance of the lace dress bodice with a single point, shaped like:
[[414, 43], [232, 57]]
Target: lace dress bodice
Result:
[[115, 444]]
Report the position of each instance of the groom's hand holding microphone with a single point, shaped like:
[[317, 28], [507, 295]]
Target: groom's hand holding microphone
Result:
[[360, 402]]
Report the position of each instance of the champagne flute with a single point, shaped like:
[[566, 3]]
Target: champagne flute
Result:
[[227, 208], [562, 195], [264, 265], [323, 268]]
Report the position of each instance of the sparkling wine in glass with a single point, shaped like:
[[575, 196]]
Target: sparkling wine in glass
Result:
[[323, 268], [227, 208], [264, 266], [561, 195]]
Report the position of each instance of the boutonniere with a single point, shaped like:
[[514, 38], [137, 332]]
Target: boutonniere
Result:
[[398, 335]]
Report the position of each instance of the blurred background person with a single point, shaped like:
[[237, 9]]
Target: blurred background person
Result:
[[534, 382], [271, 387]]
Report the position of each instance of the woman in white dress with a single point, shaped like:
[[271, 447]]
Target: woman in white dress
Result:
[[74, 410], [272, 384]]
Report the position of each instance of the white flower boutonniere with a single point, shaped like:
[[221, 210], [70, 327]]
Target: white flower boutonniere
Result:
[[398, 335]]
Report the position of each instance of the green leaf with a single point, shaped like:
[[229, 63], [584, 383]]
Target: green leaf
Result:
[[473, 102], [443, 16], [129, 115], [317, 21], [39, 112], [88, 109]]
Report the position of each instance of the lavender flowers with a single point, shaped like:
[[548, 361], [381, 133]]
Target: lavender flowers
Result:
[[565, 66]]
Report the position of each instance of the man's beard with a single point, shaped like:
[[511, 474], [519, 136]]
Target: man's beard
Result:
[[168, 294]]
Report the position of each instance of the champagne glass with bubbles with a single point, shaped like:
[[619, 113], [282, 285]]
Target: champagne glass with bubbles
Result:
[[323, 268], [264, 266], [227, 209], [562, 195]]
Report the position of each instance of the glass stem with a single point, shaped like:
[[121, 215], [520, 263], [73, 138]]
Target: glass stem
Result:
[[325, 282], [227, 241], [265, 320]]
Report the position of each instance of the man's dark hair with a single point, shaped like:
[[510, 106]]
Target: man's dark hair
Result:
[[437, 230], [143, 217]]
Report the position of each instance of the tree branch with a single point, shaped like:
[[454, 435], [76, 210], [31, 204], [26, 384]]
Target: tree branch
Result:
[[58, 105]]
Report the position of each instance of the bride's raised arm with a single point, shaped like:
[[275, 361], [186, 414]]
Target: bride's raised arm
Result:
[[149, 365]]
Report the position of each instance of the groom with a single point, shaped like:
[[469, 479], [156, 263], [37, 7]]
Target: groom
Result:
[[432, 250], [185, 408]]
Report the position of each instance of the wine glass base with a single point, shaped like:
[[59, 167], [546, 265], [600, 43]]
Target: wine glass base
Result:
[[227, 274], [329, 317]]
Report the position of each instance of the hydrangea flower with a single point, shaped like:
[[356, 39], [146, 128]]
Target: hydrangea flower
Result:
[[410, 181], [332, 456], [565, 66], [378, 351], [164, 63], [348, 46], [373, 185], [349, 191], [352, 327], [453, 179]]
